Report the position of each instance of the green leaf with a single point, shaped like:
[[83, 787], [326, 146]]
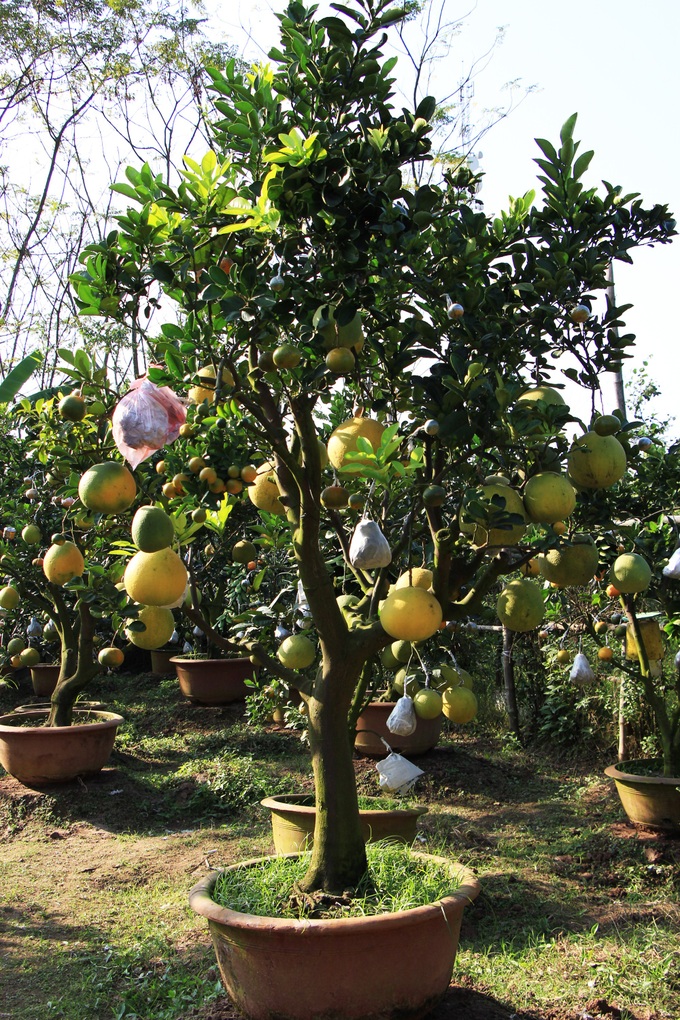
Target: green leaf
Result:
[[567, 130], [582, 163], [174, 363], [18, 376]]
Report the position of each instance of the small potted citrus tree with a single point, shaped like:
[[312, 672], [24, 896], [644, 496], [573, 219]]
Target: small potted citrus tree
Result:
[[371, 331]]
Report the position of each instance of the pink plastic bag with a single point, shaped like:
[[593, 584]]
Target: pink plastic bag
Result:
[[146, 419]]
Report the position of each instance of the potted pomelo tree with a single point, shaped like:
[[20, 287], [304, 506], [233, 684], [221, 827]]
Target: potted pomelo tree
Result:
[[358, 295]]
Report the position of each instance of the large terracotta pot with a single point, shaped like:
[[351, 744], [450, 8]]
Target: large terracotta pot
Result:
[[653, 801], [382, 967], [44, 678], [372, 725], [294, 814], [37, 754], [213, 681]]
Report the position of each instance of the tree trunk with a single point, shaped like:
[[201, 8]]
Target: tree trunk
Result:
[[339, 853], [77, 667], [509, 684]]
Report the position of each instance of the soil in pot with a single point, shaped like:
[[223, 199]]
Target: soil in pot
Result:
[[213, 681], [648, 797], [385, 966], [293, 816], [372, 725], [36, 754]]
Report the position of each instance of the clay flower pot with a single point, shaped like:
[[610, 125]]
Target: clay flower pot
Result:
[[162, 662], [294, 814], [36, 754], [650, 800], [213, 681], [381, 967], [44, 678], [372, 725]]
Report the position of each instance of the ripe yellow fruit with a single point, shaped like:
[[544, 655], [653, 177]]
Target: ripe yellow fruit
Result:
[[107, 488], [402, 651], [15, 646], [549, 497], [63, 562], [605, 653], [207, 475], [343, 439], [9, 597], [296, 652], [155, 578], [459, 704], [416, 577], [111, 657], [287, 356], [545, 393], [630, 573], [411, 614], [72, 407], [29, 657], [511, 503], [340, 360], [531, 569], [520, 605], [596, 462], [335, 496], [264, 492], [152, 529], [196, 464], [159, 623], [563, 656], [31, 534], [206, 389], [570, 564], [427, 703]]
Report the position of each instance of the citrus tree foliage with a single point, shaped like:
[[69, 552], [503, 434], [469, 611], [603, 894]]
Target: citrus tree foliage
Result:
[[303, 217]]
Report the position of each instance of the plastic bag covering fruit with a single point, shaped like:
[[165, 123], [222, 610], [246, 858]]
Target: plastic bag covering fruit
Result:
[[672, 568], [397, 774], [369, 548], [146, 419], [402, 720], [581, 673]]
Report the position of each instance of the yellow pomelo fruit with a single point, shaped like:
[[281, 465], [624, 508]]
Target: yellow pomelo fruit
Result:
[[427, 703], [340, 360], [9, 597], [63, 562], [206, 389], [72, 407], [155, 578], [545, 393], [652, 639], [570, 564], [389, 659], [264, 492], [520, 605], [15, 646], [152, 529], [107, 488], [459, 704], [549, 497], [451, 676], [410, 614], [29, 657], [416, 577], [607, 425], [31, 534], [630, 573], [159, 623], [343, 440], [408, 680], [111, 657], [596, 462], [402, 651], [512, 504], [296, 652]]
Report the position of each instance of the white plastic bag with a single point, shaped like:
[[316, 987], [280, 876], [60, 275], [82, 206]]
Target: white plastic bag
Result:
[[146, 419], [672, 568], [403, 720], [581, 673], [397, 774], [369, 548]]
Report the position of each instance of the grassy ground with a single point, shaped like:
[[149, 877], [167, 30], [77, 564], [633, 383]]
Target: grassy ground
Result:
[[579, 913]]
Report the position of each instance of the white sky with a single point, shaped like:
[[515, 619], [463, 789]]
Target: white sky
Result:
[[616, 63]]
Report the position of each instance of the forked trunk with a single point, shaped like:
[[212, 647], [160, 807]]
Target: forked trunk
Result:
[[339, 854], [77, 668]]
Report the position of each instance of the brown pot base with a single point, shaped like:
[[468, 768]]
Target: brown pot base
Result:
[[44, 678], [372, 725], [213, 681], [383, 967], [38, 755], [652, 801]]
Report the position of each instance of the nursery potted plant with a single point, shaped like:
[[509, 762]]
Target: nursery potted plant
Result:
[[334, 251]]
